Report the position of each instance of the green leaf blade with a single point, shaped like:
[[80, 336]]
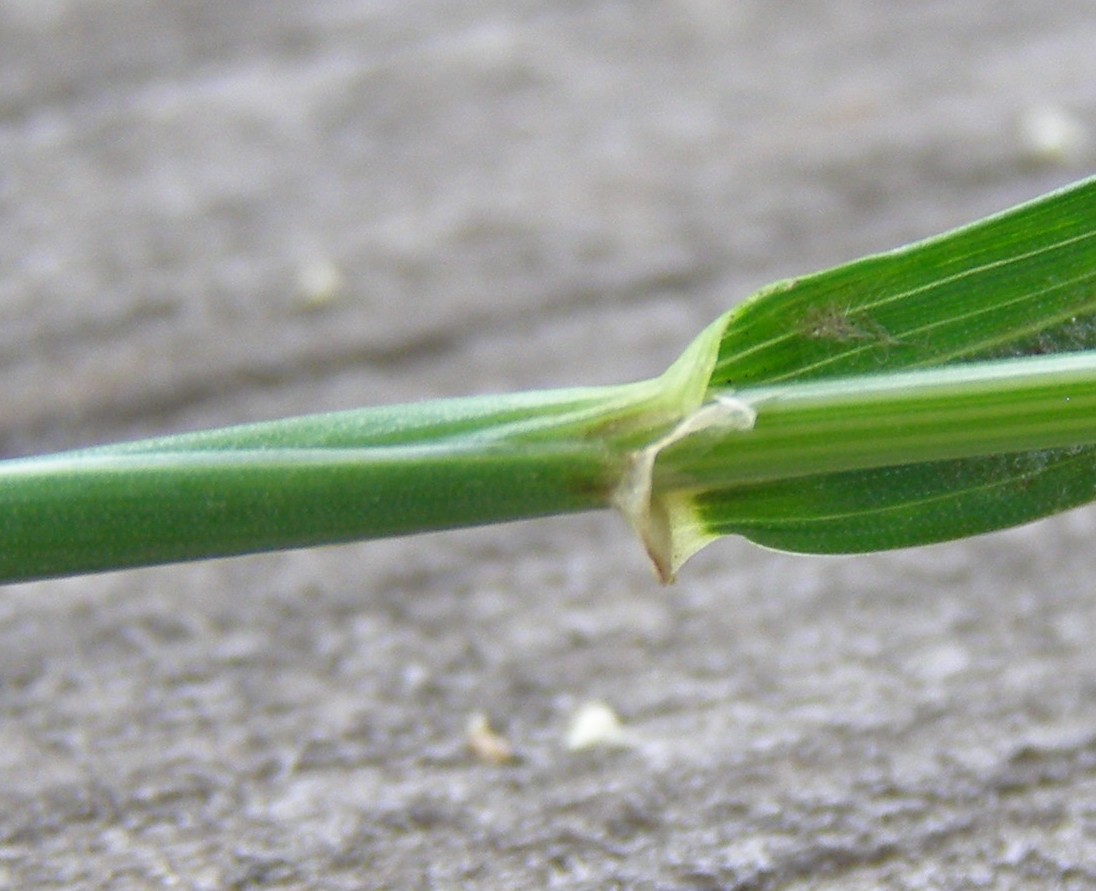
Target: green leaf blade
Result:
[[1019, 284], [905, 506]]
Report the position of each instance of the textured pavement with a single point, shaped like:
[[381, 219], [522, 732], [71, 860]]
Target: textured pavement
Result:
[[219, 212]]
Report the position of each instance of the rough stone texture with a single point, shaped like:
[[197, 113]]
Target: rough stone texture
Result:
[[214, 212]]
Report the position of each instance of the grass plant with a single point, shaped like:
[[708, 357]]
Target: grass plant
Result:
[[944, 389]]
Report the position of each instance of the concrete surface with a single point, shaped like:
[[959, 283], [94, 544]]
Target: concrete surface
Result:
[[214, 212]]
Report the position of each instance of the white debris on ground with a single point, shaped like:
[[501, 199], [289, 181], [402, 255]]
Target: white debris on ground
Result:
[[1053, 135], [487, 744], [596, 725], [319, 284]]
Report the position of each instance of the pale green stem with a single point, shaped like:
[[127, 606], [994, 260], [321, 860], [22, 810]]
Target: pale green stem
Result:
[[902, 418]]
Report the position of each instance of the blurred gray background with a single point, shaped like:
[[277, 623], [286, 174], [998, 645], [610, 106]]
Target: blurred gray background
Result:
[[218, 212]]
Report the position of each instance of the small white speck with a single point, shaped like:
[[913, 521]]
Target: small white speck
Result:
[[486, 743], [320, 283], [1051, 135], [595, 725]]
